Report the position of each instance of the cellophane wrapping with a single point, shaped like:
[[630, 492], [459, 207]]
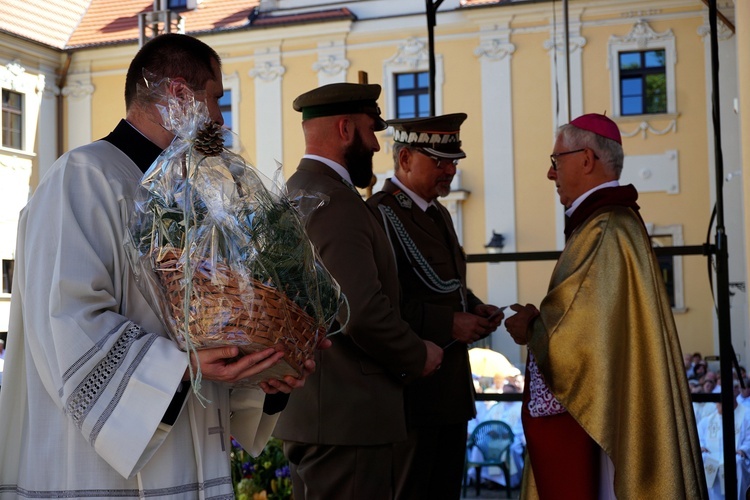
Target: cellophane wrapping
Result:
[[221, 251]]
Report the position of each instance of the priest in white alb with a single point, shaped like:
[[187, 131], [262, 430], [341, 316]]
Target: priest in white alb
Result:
[[96, 399]]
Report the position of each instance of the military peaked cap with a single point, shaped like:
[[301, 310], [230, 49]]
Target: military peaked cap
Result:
[[437, 135], [341, 99]]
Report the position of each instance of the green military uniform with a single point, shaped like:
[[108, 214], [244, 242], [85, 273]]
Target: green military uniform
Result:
[[339, 429], [432, 272]]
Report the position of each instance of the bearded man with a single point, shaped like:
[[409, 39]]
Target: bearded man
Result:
[[339, 431]]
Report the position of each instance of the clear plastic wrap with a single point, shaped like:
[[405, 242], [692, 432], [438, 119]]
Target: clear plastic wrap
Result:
[[221, 251]]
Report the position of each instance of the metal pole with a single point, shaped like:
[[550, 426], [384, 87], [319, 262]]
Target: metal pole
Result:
[[567, 60], [726, 353], [431, 8]]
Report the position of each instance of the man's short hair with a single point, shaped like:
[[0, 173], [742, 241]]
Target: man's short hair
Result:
[[170, 55], [609, 152], [395, 150]]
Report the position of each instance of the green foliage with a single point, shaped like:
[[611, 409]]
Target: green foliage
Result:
[[263, 477], [656, 93], [223, 212]]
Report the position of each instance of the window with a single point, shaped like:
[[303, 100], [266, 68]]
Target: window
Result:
[[7, 275], [412, 94], [412, 58], [642, 72], [225, 106], [670, 265], [666, 265], [176, 4], [12, 119], [643, 82]]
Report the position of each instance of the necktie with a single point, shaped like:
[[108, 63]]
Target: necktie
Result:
[[435, 215]]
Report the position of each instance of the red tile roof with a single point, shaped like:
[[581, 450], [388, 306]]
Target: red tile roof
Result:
[[50, 22], [113, 21]]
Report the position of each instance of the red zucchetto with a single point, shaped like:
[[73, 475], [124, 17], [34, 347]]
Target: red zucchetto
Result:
[[600, 125]]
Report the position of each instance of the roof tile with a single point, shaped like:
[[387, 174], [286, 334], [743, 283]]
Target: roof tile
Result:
[[113, 21], [50, 22]]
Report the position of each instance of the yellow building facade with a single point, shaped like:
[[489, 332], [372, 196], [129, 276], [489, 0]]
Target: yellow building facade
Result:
[[505, 65]]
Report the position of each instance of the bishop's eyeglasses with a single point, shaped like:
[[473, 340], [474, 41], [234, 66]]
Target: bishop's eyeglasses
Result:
[[553, 156]]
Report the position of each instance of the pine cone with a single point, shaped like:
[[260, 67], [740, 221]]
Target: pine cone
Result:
[[210, 139]]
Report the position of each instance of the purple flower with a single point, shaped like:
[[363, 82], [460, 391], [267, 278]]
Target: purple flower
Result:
[[235, 444], [283, 471], [248, 469]]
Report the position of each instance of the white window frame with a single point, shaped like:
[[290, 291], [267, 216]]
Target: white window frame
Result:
[[21, 113], [13, 77], [675, 232], [411, 56], [641, 38]]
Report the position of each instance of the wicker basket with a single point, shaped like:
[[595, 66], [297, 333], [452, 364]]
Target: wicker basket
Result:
[[221, 313]]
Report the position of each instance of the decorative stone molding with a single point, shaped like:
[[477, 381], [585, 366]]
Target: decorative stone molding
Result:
[[269, 131], [642, 35], [644, 127], [575, 44], [494, 49], [267, 71], [641, 13], [18, 164], [78, 89], [722, 32], [15, 68], [331, 65], [268, 65], [411, 54], [13, 76], [41, 84]]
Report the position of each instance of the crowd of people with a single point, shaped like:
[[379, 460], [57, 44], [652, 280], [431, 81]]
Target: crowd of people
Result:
[[708, 416]]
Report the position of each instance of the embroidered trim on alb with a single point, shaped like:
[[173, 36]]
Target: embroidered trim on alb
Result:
[[115, 400], [73, 369], [124, 492], [91, 387]]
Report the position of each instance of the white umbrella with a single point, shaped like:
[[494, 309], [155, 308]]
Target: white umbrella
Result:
[[488, 363]]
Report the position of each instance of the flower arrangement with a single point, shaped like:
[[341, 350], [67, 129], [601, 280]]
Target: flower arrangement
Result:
[[221, 251], [265, 477]]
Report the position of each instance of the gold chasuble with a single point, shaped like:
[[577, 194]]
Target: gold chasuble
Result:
[[607, 347]]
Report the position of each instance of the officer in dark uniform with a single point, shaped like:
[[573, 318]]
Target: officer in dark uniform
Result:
[[435, 302]]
